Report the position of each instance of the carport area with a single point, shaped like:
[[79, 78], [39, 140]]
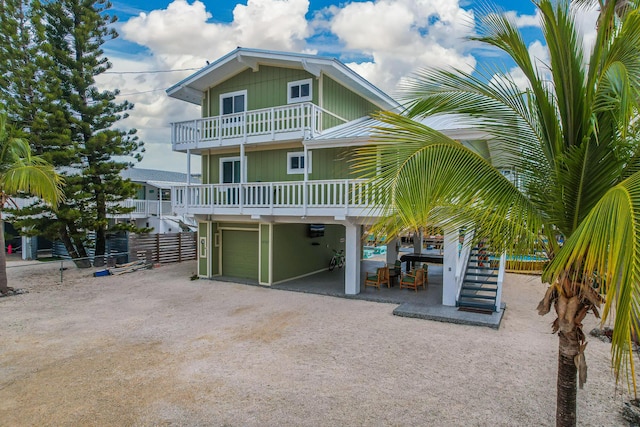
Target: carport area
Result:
[[423, 304], [332, 283]]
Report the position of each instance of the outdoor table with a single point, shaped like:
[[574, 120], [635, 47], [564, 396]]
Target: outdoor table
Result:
[[411, 259]]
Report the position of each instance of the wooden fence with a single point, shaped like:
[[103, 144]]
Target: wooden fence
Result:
[[164, 248]]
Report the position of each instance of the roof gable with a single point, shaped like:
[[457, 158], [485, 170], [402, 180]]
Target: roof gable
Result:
[[192, 88]]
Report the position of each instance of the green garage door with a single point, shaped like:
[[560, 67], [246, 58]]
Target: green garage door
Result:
[[240, 254]]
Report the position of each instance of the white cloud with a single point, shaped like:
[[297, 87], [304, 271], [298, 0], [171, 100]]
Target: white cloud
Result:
[[153, 110], [402, 36], [522, 21], [586, 20]]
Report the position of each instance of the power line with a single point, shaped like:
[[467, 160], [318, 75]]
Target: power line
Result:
[[151, 72], [138, 93]]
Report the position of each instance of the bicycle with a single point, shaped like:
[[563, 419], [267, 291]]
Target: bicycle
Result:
[[337, 259]]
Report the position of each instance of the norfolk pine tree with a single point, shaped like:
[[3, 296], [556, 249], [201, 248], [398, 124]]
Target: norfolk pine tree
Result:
[[82, 138]]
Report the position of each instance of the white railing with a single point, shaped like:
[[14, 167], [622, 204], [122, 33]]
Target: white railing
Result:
[[329, 193], [501, 271], [463, 260], [146, 207], [304, 118]]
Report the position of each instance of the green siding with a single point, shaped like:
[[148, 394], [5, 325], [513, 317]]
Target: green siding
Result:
[[240, 254], [295, 254], [343, 102], [330, 163], [265, 245], [265, 88], [271, 165], [202, 262], [205, 169]]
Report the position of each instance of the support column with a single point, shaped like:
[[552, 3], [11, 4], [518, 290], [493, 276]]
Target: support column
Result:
[[417, 242], [353, 250], [188, 190], [449, 267], [392, 250]]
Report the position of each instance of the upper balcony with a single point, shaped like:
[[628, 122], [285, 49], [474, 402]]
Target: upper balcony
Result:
[[283, 123]]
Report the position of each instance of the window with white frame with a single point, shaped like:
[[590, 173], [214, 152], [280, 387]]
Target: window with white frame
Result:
[[233, 102], [296, 162], [230, 170], [299, 91]]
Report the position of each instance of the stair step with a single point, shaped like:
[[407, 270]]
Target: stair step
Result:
[[471, 287], [481, 281], [484, 262], [482, 273], [480, 305], [475, 295]]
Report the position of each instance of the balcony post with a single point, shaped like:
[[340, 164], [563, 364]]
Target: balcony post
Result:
[[196, 137], [173, 136], [312, 119], [187, 196], [272, 123], [305, 190]]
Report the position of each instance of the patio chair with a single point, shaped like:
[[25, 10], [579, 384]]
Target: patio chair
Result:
[[395, 271], [413, 281], [379, 278]]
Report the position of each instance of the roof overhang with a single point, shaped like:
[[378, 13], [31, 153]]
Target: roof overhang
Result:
[[192, 89]]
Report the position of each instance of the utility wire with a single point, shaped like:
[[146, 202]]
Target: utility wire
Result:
[[138, 93], [151, 72]]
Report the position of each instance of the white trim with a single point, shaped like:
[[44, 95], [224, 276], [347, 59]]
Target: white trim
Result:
[[237, 229], [203, 246], [230, 94], [307, 162], [270, 254], [243, 166], [300, 98], [216, 240]]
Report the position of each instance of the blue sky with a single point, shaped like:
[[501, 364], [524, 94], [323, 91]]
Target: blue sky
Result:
[[383, 40]]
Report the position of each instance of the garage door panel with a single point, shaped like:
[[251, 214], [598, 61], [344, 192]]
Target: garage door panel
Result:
[[240, 254]]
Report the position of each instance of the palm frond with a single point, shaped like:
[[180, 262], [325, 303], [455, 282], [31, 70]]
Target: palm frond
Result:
[[20, 171], [431, 179], [606, 248]]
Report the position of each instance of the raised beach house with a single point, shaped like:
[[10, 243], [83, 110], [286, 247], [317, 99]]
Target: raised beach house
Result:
[[274, 139]]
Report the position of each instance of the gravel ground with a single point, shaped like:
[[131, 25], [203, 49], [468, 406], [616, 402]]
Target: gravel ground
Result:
[[155, 348]]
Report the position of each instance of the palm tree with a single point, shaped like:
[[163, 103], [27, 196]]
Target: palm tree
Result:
[[21, 172], [572, 137]]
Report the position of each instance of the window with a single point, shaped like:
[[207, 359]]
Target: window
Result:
[[299, 91], [233, 102], [296, 163], [230, 170]]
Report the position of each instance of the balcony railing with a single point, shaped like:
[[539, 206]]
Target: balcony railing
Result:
[[267, 124], [145, 208], [274, 195]]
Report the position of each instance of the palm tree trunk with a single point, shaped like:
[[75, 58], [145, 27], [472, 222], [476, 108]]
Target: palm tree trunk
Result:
[[4, 282], [567, 379]]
